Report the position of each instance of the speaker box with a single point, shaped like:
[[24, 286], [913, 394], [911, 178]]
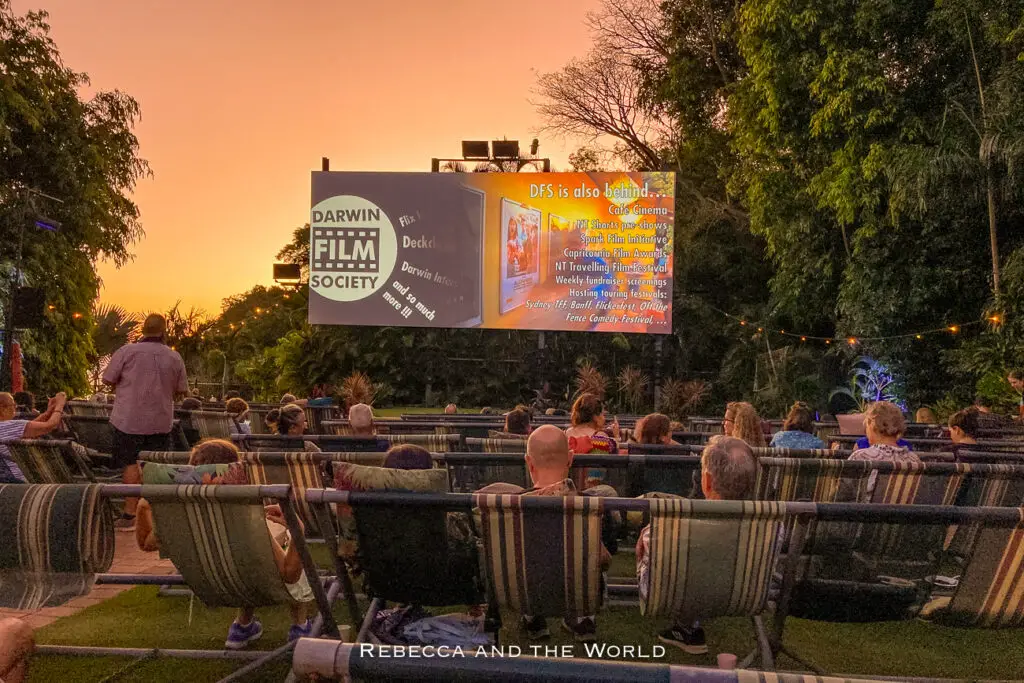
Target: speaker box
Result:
[[29, 304]]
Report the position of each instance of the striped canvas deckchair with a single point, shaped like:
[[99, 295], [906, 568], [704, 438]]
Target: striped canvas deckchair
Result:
[[217, 538], [542, 560], [89, 409], [166, 457], [991, 589], [92, 431], [299, 470], [711, 558], [811, 479], [210, 424], [469, 472], [56, 537], [824, 453], [435, 443], [496, 445], [45, 461], [987, 485]]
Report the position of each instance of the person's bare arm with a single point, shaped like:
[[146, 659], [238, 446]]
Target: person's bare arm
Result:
[[54, 413], [145, 530], [289, 564], [43, 417]]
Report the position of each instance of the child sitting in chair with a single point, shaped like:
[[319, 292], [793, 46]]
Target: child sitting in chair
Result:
[[246, 628]]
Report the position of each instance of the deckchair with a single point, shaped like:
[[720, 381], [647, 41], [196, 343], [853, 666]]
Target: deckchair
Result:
[[51, 461], [470, 472], [211, 424], [89, 408], [57, 537], [713, 559], [435, 443], [542, 555], [496, 445], [92, 431]]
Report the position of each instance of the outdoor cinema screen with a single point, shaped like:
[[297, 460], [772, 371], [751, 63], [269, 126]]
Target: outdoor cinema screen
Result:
[[534, 251]]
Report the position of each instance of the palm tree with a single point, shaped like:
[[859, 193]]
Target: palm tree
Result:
[[113, 327]]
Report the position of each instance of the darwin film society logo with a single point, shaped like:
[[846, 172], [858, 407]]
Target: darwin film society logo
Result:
[[352, 250]]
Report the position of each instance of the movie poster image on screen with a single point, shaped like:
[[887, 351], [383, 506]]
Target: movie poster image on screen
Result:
[[561, 237], [520, 253]]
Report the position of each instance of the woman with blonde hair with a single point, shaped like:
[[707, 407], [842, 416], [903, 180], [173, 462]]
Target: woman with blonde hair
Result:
[[884, 424], [741, 421]]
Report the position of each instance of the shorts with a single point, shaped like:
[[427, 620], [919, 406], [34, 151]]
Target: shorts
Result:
[[125, 448]]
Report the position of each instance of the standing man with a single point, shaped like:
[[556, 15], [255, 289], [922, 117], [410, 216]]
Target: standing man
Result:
[[147, 376]]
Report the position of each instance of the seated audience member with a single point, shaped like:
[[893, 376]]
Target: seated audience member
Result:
[[926, 416], [25, 403], [12, 430], [360, 418], [246, 628], [98, 398], [291, 420], [588, 436], [1016, 380], [654, 429], [16, 646], [191, 404], [884, 424], [487, 410], [986, 418], [548, 460], [233, 393], [238, 409], [741, 421], [408, 457], [517, 424], [728, 472], [797, 430], [451, 409], [963, 427]]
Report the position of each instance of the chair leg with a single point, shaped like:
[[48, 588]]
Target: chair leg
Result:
[[371, 612], [764, 645], [802, 662]]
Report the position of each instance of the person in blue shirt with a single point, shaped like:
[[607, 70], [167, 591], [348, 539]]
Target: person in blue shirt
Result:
[[797, 430]]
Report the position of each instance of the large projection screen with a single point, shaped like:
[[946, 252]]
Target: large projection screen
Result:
[[536, 251]]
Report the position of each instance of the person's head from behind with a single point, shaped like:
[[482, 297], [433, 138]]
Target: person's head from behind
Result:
[[291, 420], [7, 406], [451, 409], [154, 326], [191, 404], [884, 423], [655, 429], [728, 470], [408, 457], [232, 394], [588, 410], [1016, 380], [237, 408], [925, 415], [213, 452], [741, 421], [517, 422], [98, 397], [273, 415], [25, 400], [360, 418], [983, 404], [964, 426], [288, 398], [799, 419], [547, 455]]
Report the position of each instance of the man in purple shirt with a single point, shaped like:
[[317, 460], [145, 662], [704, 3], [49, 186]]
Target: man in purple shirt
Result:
[[146, 376]]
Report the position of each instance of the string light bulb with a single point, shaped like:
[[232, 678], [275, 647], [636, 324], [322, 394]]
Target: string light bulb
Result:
[[743, 322], [852, 341], [76, 315], [954, 328], [828, 341], [918, 336], [803, 339], [995, 319], [760, 329]]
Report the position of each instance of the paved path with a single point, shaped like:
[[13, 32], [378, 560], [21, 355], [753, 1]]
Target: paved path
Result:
[[128, 559]]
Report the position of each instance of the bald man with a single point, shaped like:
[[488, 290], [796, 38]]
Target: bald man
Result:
[[451, 409], [548, 460], [11, 429]]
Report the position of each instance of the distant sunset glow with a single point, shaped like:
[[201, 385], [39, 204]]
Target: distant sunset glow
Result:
[[241, 100]]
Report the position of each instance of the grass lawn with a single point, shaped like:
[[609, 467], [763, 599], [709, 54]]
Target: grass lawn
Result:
[[139, 618]]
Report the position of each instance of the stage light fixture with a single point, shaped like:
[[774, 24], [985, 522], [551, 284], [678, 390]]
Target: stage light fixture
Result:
[[505, 149], [475, 150]]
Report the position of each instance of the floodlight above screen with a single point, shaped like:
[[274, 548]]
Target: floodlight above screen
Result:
[[536, 251]]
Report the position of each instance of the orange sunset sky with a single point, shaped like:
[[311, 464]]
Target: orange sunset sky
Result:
[[241, 99]]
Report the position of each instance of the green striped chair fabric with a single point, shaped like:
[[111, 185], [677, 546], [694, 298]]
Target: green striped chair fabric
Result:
[[496, 445], [166, 457], [703, 566], [45, 461], [56, 538], [210, 424], [217, 538], [991, 589], [542, 561], [822, 453], [435, 443], [301, 471]]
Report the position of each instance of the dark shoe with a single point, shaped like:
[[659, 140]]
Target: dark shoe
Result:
[[125, 523], [303, 631], [535, 628], [240, 636], [583, 630], [689, 640]]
